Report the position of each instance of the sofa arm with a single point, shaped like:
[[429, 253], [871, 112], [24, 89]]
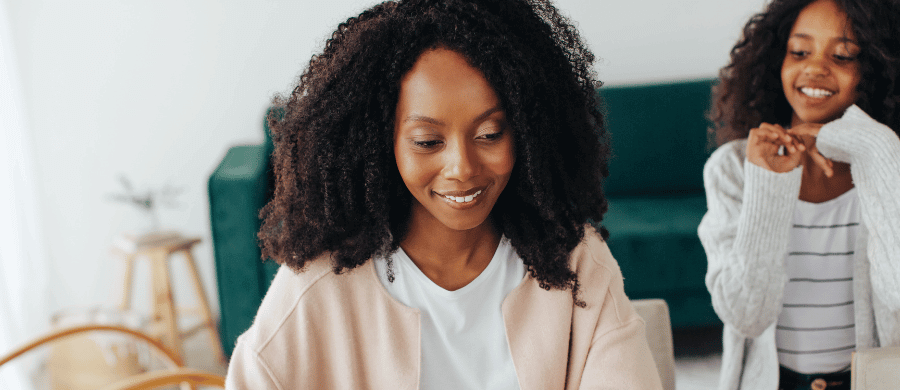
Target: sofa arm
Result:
[[876, 369], [655, 313], [238, 189]]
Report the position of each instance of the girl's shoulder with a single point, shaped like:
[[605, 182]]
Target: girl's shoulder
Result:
[[729, 152], [728, 160]]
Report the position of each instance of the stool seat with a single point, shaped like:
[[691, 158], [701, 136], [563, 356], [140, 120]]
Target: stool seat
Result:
[[159, 248]]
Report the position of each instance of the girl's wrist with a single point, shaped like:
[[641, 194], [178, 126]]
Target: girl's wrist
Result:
[[855, 137]]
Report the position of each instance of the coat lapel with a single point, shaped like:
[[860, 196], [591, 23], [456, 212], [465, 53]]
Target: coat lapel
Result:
[[538, 325]]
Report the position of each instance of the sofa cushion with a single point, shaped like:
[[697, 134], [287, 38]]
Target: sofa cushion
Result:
[[655, 241]]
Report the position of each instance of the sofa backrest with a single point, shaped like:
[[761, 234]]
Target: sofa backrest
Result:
[[659, 137]]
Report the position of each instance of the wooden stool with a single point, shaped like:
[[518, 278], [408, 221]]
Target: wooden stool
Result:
[[159, 248]]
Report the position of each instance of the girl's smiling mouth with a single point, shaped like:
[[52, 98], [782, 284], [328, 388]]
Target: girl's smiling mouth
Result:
[[816, 92]]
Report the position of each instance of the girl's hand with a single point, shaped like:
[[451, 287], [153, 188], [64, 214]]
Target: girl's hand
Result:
[[807, 133], [763, 146]]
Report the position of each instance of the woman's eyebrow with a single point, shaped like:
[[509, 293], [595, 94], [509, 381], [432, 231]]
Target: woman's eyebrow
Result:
[[487, 113], [422, 118], [427, 119]]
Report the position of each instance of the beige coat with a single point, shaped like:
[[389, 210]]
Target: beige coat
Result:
[[318, 330]]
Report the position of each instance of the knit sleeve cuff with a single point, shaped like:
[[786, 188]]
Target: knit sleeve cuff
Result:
[[769, 200], [855, 137]]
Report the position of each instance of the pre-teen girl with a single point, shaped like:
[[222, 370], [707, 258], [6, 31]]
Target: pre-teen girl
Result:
[[803, 228], [435, 170]]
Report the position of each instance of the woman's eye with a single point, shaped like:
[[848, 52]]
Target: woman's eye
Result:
[[427, 144], [798, 53], [492, 136]]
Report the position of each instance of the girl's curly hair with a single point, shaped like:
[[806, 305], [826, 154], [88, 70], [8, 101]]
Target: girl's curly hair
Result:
[[750, 90], [338, 190]]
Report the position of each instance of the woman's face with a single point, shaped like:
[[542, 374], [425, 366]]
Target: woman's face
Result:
[[453, 146], [820, 70]]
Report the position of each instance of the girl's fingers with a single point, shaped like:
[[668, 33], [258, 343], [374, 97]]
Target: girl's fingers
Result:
[[763, 146], [822, 162], [806, 129], [778, 135], [798, 143]]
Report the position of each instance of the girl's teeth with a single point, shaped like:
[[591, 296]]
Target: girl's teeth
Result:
[[463, 199], [816, 92]]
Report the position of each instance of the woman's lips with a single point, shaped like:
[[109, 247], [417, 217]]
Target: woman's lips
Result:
[[461, 197]]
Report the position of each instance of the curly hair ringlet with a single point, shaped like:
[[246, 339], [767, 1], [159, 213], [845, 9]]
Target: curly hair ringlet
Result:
[[750, 92], [338, 190]]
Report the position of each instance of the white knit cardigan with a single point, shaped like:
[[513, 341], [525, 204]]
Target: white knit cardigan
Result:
[[745, 234]]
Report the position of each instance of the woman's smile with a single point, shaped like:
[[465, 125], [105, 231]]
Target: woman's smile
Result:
[[461, 199]]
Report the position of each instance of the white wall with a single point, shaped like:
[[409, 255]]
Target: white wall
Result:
[[158, 90]]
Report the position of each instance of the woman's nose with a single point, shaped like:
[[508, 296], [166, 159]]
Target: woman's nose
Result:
[[460, 161]]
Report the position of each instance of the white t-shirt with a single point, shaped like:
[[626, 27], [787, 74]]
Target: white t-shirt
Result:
[[463, 336], [815, 330]]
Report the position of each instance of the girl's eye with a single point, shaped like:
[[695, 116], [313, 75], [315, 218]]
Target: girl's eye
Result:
[[798, 53], [844, 58]]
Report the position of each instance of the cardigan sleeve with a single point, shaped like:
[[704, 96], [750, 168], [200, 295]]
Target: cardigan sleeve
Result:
[[248, 371], [745, 235], [873, 151]]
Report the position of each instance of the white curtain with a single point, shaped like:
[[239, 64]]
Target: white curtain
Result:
[[23, 265]]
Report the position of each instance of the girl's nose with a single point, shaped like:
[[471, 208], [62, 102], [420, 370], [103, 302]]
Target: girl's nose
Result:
[[460, 162], [815, 66]]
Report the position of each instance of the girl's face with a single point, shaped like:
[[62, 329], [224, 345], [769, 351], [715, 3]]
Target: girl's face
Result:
[[820, 70], [453, 146]]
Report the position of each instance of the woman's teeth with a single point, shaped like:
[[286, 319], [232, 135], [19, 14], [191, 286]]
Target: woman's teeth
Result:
[[463, 199], [816, 92]]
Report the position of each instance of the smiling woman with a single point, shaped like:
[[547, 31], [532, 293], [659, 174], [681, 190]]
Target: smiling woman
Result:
[[453, 146], [436, 170], [454, 152]]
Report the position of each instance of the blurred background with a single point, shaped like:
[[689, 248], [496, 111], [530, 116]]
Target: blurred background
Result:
[[157, 91]]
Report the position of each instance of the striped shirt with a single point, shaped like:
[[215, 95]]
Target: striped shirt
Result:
[[815, 330]]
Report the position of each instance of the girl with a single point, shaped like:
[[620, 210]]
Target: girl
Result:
[[803, 228], [435, 170]]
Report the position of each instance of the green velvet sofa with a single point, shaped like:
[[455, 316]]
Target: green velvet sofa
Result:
[[656, 201], [655, 192]]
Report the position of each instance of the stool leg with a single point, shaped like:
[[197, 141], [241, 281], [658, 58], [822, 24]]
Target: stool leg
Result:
[[126, 287], [215, 343], [163, 304]]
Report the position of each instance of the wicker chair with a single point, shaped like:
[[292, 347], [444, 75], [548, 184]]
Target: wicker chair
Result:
[[175, 372]]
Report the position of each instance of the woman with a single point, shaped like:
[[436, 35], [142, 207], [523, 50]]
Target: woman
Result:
[[436, 168]]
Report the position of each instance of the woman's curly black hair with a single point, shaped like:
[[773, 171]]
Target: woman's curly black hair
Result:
[[338, 189], [750, 90]]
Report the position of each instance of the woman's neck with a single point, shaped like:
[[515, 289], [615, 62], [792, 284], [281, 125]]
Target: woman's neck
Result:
[[450, 258]]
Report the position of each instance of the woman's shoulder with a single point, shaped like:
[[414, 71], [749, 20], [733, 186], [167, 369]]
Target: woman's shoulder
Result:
[[601, 282], [294, 292], [592, 260]]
